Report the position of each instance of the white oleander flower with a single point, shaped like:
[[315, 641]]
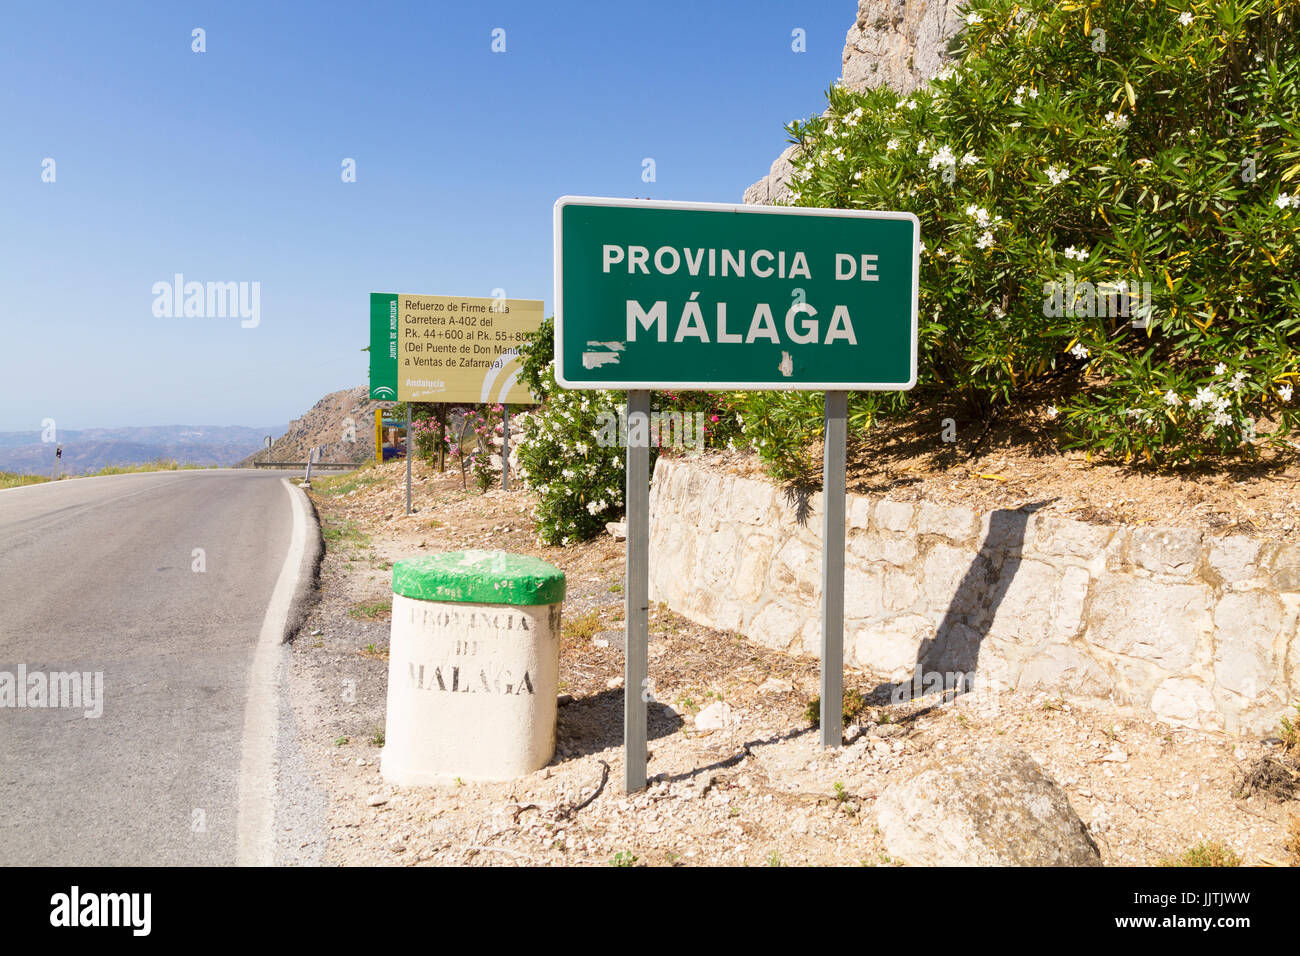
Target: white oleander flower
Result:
[[1222, 418], [1052, 411], [973, 18], [891, 146], [1057, 175], [1284, 393], [1220, 369], [943, 157], [985, 240], [1283, 201], [970, 159], [1079, 351], [1117, 120], [1172, 399], [1238, 380], [1185, 18]]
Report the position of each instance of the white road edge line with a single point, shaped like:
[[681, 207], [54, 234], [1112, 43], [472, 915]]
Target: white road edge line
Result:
[[255, 820]]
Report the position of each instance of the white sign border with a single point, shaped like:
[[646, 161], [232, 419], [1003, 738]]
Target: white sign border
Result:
[[742, 209]]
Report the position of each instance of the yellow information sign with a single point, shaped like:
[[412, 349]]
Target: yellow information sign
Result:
[[456, 349]]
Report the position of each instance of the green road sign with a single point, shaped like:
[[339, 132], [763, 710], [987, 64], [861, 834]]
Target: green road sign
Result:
[[713, 296], [383, 346]]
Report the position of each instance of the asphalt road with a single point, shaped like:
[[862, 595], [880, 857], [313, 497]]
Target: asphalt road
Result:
[[102, 576]]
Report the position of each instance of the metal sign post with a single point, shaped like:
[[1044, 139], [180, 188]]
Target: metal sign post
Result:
[[833, 491], [408, 458], [505, 448], [636, 682]]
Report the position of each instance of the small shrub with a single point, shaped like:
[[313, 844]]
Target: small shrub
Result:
[[1208, 853], [854, 704], [370, 611], [1290, 734], [430, 436], [582, 627]]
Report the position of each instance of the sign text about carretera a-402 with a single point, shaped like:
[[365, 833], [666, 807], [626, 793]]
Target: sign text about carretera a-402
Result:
[[450, 349], [655, 295]]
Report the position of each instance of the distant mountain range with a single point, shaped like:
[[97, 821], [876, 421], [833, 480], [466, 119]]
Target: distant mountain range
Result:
[[90, 449]]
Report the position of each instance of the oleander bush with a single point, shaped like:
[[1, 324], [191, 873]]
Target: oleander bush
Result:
[[570, 447], [473, 443], [1108, 208]]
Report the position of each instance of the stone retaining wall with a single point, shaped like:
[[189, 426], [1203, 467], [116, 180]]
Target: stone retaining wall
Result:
[[1198, 629]]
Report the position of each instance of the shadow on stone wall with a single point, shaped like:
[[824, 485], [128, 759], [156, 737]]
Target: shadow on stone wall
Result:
[[949, 659]]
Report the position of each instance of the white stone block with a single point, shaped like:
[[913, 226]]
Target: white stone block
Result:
[[1165, 550], [955, 524], [1234, 558], [894, 515], [471, 691]]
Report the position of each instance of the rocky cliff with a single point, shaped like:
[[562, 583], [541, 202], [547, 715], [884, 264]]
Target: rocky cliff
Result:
[[326, 424], [896, 43]]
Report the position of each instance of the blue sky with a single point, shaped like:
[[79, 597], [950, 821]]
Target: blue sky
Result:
[[225, 166]]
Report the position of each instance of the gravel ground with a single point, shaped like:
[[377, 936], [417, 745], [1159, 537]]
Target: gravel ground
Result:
[[757, 791]]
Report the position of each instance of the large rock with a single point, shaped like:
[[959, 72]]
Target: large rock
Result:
[[774, 188], [993, 806], [897, 43]]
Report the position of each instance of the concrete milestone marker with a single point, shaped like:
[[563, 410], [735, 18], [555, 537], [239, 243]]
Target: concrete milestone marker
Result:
[[473, 667]]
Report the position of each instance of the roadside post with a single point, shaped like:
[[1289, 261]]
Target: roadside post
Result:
[[268, 449], [408, 457], [668, 295], [505, 447], [833, 493], [636, 588]]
